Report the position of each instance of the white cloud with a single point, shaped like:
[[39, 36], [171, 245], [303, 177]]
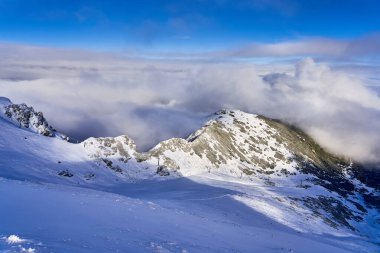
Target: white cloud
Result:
[[92, 94], [367, 46], [340, 112]]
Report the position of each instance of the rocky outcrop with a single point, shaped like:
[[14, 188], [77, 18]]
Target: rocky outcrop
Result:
[[26, 117]]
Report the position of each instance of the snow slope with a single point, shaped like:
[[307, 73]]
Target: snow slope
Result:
[[192, 218], [242, 183]]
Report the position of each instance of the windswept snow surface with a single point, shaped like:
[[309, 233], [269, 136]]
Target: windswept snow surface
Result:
[[5, 101], [182, 215]]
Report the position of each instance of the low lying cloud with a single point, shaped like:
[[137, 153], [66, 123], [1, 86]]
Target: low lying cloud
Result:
[[340, 112], [92, 94], [367, 46]]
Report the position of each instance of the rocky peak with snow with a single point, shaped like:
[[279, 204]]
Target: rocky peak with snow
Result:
[[305, 180], [251, 149], [26, 117]]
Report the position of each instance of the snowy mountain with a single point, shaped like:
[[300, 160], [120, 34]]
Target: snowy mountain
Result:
[[241, 183], [26, 117]]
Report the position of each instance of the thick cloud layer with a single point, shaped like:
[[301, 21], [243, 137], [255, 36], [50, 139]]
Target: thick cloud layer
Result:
[[88, 94]]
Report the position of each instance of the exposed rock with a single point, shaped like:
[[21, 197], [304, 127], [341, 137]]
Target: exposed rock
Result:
[[163, 170], [65, 173], [26, 117]]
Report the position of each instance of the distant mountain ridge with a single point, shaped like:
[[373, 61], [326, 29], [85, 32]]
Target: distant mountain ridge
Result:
[[307, 181]]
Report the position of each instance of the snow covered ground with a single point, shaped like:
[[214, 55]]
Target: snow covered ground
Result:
[[183, 215]]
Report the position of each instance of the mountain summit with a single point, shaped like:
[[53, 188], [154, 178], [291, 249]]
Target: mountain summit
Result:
[[279, 170]]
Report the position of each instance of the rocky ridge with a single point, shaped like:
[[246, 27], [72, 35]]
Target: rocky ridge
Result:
[[299, 175]]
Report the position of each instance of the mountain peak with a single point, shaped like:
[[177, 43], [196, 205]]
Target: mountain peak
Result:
[[231, 146], [26, 117]]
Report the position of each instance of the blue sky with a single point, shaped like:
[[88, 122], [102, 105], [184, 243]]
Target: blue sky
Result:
[[103, 68], [182, 25]]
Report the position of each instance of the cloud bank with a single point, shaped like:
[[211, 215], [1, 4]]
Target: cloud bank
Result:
[[367, 46], [97, 94]]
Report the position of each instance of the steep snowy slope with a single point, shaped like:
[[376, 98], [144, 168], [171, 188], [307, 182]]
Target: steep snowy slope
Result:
[[265, 169], [195, 217]]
